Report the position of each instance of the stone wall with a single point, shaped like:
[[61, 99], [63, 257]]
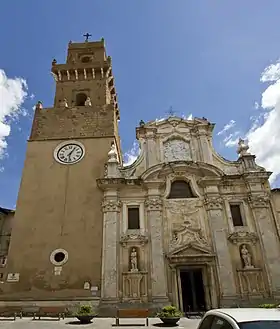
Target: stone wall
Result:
[[76, 122]]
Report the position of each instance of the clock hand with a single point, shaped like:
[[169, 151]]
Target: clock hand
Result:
[[71, 152]]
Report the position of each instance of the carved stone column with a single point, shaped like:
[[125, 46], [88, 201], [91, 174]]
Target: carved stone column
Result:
[[268, 237], [111, 213], [219, 234], [158, 275]]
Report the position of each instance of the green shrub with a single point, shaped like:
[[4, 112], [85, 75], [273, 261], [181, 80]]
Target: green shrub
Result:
[[268, 305], [169, 312], [85, 310]]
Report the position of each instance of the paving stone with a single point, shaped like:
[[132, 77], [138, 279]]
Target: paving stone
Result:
[[102, 323]]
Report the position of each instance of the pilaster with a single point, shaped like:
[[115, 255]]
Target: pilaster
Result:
[[260, 206], [214, 206], [111, 214], [205, 147], [158, 276]]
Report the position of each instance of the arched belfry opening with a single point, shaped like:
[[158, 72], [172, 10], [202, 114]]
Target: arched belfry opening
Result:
[[180, 189], [81, 99]]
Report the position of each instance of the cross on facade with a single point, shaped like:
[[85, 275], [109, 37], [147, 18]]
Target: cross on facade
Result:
[[171, 112], [87, 35]]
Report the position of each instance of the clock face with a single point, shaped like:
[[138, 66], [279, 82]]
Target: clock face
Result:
[[69, 153]]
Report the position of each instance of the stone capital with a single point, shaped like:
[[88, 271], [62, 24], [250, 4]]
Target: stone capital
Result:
[[154, 204], [258, 201], [213, 203], [111, 206]]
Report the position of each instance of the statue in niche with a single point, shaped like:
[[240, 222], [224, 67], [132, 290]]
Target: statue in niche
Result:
[[133, 260], [246, 257], [88, 101], [63, 103]]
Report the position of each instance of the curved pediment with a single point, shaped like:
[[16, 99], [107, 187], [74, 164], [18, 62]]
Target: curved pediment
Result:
[[181, 168]]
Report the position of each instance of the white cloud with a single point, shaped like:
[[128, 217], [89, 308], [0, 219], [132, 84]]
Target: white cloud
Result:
[[12, 95], [227, 127], [264, 134], [132, 154], [256, 105], [232, 139]]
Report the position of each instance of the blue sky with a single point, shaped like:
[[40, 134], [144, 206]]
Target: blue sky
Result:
[[204, 58]]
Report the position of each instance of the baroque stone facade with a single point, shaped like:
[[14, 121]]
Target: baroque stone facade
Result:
[[203, 221], [181, 225]]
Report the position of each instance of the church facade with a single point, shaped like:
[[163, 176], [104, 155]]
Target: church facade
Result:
[[181, 225]]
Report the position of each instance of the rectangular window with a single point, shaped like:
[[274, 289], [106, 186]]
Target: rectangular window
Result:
[[1, 275], [236, 215], [133, 218]]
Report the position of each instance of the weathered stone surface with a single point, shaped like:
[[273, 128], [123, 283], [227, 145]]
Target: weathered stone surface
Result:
[[135, 257]]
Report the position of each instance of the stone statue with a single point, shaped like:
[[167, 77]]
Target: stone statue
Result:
[[63, 103], [242, 148], [113, 152], [88, 101], [246, 257], [133, 260], [141, 123], [39, 105], [54, 62]]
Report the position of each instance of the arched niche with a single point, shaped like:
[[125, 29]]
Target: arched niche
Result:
[[81, 99]]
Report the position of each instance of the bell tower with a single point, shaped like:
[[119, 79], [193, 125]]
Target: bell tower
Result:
[[56, 242]]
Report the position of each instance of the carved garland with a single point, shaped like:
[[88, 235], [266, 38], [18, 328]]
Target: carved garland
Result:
[[258, 201], [213, 203], [153, 204], [111, 206], [243, 237], [133, 239]]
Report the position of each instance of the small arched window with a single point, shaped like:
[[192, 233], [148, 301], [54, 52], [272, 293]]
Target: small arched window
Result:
[[85, 59], [180, 190], [80, 99]]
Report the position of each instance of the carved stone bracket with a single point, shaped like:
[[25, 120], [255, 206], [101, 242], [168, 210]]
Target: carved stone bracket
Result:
[[241, 237], [153, 204], [258, 201], [111, 206], [133, 239], [213, 203]]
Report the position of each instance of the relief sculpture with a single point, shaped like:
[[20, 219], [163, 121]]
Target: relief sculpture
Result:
[[185, 223], [177, 150]]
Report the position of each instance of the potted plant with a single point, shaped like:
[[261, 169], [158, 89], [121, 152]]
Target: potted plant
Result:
[[268, 306], [170, 315], [85, 314]]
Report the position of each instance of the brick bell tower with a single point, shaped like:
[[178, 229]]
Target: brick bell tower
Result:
[[56, 242]]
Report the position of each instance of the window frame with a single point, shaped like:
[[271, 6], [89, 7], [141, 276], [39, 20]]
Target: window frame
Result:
[[139, 224], [223, 319], [205, 319], [242, 214], [133, 204]]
